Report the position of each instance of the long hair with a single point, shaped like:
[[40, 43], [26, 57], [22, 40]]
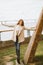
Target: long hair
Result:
[[20, 21]]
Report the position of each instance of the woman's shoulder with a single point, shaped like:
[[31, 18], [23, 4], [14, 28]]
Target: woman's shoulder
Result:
[[17, 27], [23, 26]]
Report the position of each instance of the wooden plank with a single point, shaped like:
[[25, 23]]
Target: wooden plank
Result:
[[31, 49], [5, 30]]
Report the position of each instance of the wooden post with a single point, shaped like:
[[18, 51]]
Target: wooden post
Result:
[[0, 36], [31, 49]]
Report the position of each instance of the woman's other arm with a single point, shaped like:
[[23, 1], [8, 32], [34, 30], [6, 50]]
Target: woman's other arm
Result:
[[30, 28], [7, 25]]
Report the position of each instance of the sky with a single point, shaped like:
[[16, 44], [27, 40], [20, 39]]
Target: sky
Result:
[[16, 9]]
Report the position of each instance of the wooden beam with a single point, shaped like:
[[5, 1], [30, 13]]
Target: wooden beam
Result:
[[5, 30], [31, 49]]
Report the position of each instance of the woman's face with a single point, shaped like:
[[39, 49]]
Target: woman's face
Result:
[[20, 23]]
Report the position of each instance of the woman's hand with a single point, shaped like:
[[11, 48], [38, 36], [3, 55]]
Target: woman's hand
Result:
[[33, 28]]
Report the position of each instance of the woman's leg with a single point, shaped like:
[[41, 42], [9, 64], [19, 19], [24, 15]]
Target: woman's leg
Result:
[[17, 45], [18, 53]]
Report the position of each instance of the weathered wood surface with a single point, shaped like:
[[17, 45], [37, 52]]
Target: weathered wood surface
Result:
[[31, 49]]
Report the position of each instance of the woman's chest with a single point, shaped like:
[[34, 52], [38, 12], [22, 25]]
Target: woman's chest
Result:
[[18, 28]]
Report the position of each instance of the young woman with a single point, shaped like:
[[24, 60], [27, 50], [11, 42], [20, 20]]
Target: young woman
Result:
[[18, 36]]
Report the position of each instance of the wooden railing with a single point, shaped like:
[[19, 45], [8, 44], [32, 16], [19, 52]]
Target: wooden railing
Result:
[[5, 30]]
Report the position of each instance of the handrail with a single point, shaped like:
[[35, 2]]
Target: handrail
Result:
[[5, 30], [11, 30], [8, 30]]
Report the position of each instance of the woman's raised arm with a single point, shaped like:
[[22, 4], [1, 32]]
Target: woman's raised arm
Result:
[[30, 28], [7, 25]]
